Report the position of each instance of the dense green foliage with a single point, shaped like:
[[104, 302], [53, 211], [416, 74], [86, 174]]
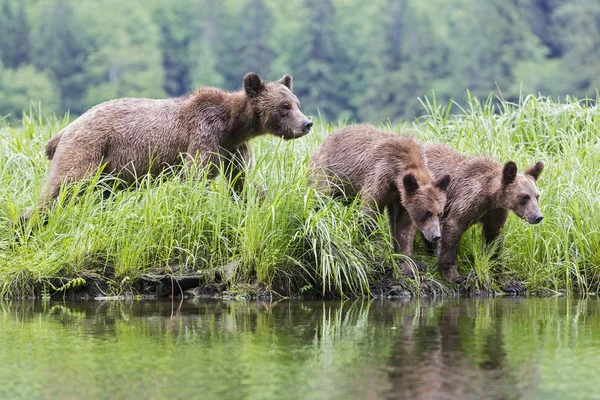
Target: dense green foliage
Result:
[[352, 60], [295, 240]]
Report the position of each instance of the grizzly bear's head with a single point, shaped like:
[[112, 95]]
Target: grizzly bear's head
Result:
[[276, 106], [520, 193], [425, 204]]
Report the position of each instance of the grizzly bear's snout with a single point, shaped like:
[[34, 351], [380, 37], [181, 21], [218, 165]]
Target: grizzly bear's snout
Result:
[[431, 231], [528, 209], [301, 125], [436, 238], [302, 130], [534, 219], [306, 126]]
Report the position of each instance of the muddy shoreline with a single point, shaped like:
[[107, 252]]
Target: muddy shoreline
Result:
[[194, 286]]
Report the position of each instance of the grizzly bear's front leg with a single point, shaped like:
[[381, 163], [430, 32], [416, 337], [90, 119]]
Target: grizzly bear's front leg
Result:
[[370, 208], [448, 257], [232, 164], [493, 222], [207, 156], [238, 164], [403, 231]]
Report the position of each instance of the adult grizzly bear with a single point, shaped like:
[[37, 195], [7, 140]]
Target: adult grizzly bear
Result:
[[481, 191], [387, 171], [210, 126]]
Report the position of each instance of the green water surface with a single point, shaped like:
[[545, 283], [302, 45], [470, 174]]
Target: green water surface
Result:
[[544, 348]]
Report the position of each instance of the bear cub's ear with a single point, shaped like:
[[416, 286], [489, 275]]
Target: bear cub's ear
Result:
[[443, 182], [252, 84], [286, 81], [535, 170], [410, 184], [509, 173]]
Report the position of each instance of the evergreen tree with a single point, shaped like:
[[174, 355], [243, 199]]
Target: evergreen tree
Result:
[[14, 31], [410, 60], [207, 44], [350, 59], [538, 14], [383, 92], [174, 21], [577, 24], [486, 59], [253, 49], [125, 57], [361, 40], [62, 51], [23, 88], [317, 62]]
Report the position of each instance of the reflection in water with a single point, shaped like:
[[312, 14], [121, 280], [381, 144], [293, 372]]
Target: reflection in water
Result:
[[460, 348], [431, 361]]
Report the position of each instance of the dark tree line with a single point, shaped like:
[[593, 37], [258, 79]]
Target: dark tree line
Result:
[[351, 60]]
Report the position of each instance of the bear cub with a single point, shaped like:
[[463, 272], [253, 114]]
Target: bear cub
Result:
[[481, 191], [388, 172]]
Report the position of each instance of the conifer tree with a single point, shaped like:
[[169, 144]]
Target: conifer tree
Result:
[[14, 31], [317, 62], [252, 48], [62, 51], [174, 20]]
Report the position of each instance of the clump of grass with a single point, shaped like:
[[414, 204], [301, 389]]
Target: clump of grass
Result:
[[291, 238]]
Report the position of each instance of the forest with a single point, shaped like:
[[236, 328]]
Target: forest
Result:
[[351, 60]]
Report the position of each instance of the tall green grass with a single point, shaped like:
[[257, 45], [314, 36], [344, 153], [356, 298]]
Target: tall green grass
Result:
[[292, 239]]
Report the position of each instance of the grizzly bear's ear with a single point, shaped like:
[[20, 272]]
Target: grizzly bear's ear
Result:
[[286, 81], [252, 84], [509, 173], [410, 184], [535, 170], [443, 183]]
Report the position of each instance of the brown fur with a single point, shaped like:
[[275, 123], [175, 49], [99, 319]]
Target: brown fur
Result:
[[131, 136], [481, 191], [387, 171]]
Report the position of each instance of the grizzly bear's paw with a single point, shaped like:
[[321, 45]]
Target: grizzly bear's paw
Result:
[[451, 275], [513, 288], [421, 267], [409, 270]]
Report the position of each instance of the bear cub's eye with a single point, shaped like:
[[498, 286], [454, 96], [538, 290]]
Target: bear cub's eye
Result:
[[287, 106], [427, 215], [525, 199]]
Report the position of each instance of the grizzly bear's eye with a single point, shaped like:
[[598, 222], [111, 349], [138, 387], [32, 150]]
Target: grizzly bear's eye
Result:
[[427, 215], [287, 106], [525, 199]]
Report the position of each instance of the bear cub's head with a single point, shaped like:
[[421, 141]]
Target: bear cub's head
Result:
[[277, 107], [520, 191], [425, 204]]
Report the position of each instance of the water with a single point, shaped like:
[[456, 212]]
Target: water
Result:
[[462, 348]]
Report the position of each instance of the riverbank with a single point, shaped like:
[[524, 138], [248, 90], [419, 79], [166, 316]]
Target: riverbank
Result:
[[288, 240]]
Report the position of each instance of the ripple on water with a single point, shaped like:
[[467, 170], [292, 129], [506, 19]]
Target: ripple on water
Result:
[[456, 348]]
